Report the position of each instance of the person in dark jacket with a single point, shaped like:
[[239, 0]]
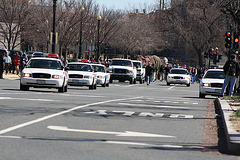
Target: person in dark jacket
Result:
[[231, 70], [1, 65], [149, 71]]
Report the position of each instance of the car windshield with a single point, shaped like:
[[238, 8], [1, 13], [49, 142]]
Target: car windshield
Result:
[[42, 63], [79, 67], [215, 75], [178, 71], [99, 68], [121, 63], [137, 64]]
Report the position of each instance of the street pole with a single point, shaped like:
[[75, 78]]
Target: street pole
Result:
[[98, 37], [80, 33], [54, 27]]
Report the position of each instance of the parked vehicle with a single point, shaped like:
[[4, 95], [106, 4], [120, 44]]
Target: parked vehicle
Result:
[[81, 74], [211, 83], [44, 73]]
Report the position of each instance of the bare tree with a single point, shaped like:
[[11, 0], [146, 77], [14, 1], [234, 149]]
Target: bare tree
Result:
[[198, 23], [14, 18]]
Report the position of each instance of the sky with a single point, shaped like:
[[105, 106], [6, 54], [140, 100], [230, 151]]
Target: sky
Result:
[[126, 4]]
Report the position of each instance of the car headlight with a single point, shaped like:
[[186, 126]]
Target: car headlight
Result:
[[130, 72], [109, 71], [57, 76], [206, 84], [26, 75], [170, 77], [101, 77], [88, 77]]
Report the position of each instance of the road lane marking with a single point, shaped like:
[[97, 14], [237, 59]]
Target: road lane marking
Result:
[[26, 99], [140, 114], [171, 88], [59, 114], [120, 134], [154, 106]]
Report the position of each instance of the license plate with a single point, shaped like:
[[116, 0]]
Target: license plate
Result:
[[75, 81], [40, 82]]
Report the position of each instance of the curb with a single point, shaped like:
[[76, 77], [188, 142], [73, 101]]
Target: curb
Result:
[[232, 136]]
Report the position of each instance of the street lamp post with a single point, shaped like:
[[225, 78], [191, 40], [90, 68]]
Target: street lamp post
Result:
[[80, 33], [54, 26], [98, 37]]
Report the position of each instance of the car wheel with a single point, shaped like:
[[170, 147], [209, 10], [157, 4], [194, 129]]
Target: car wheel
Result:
[[110, 80], [61, 89], [66, 88], [95, 86], [104, 85], [188, 85], [201, 95], [131, 81], [107, 84], [168, 84], [134, 81], [24, 87]]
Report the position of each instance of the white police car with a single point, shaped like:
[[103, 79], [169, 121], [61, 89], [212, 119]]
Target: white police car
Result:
[[44, 73], [178, 76], [211, 83], [102, 76], [81, 74]]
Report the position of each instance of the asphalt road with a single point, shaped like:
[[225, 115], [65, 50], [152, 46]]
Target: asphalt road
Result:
[[120, 122]]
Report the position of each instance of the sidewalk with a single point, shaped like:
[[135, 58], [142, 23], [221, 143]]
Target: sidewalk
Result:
[[11, 76], [233, 137]]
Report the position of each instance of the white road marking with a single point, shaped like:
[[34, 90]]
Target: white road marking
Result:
[[125, 113], [58, 114], [145, 114], [171, 88], [121, 134], [146, 105], [143, 144], [26, 99]]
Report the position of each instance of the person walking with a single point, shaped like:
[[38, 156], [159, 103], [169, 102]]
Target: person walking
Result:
[[1, 65], [149, 71], [231, 70], [166, 71], [161, 72], [8, 61], [193, 73], [17, 63]]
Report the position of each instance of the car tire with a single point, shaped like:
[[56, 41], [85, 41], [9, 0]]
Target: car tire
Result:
[[104, 85], [107, 84], [134, 81], [131, 81], [62, 89], [66, 88], [201, 95], [24, 87], [188, 85], [168, 84], [111, 81]]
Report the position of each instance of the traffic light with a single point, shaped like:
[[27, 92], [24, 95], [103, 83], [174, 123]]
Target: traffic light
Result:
[[235, 40], [205, 55], [228, 40], [215, 56]]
